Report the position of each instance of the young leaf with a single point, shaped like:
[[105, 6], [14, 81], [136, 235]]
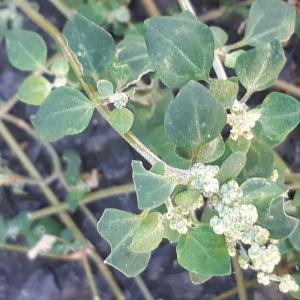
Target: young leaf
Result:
[[105, 88], [257, 69], [152, 189], [170, 50], [65, 111], [26, 50], [232, 166], [280, 114], [241, 144], [269, 20], [230, 58], [133, 52], [34, 90], [93, 46], [121, 74], [74, 197], [121, 120], [148, 235], [60, 67], [118, 228], [220, 36], [279, 224], [171, 235], [202, 251], [194, 118], [224, 90], [211, 151], [72, 175]]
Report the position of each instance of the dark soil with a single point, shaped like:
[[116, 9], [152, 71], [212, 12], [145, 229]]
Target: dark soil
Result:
[[101, 148]]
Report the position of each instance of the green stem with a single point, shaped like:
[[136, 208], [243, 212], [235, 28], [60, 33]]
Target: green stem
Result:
[[144, 289], [90, 91], [90, 278], [242, 292], [89, 198], [234, 46], [52, 199], [63, 8], [186, 5], [232, 292]]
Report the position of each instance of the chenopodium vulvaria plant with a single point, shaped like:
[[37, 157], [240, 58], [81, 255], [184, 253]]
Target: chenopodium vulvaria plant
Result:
[[216, 187]]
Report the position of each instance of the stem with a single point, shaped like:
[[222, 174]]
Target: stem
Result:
[[186, 5], [239, 280], [63, 8], [92, 197], [234, 46], [151, 8], [287, 87], [90, 278], [48, 193], [144, 289], [25, 250], [92, 94], [230, 293]]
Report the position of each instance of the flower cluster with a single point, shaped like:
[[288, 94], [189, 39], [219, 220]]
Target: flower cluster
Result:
[[237, 222], [119, 99], [203, 179], [242, 121]]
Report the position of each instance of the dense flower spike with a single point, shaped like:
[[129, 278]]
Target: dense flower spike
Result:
[[204, 179], [119, 99], [242, 121]]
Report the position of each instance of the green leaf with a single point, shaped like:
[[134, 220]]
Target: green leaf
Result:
[[194, 118], [34, 90], [169, 41], [197, 278], [149, 234], [26, 50], [152, 189], [260, 160], [133, 52], [279, 224], [202, 251], [118, 228], [232, 166], [296, 199], [211, 151], [187, 198], [269, 20], [280, 114], [224, 90], [294, 238], [105, 88], [121, 120], [74, 197], [261, 192], [65, 111], [257, 69], [220, 36], [93, 46]]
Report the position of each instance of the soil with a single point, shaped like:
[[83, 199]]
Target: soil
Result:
[[102, 149]]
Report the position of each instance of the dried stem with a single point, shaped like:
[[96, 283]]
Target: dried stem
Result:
[[89, 198], [52, 199], [151, 8], [238, 274], [90, 278]]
